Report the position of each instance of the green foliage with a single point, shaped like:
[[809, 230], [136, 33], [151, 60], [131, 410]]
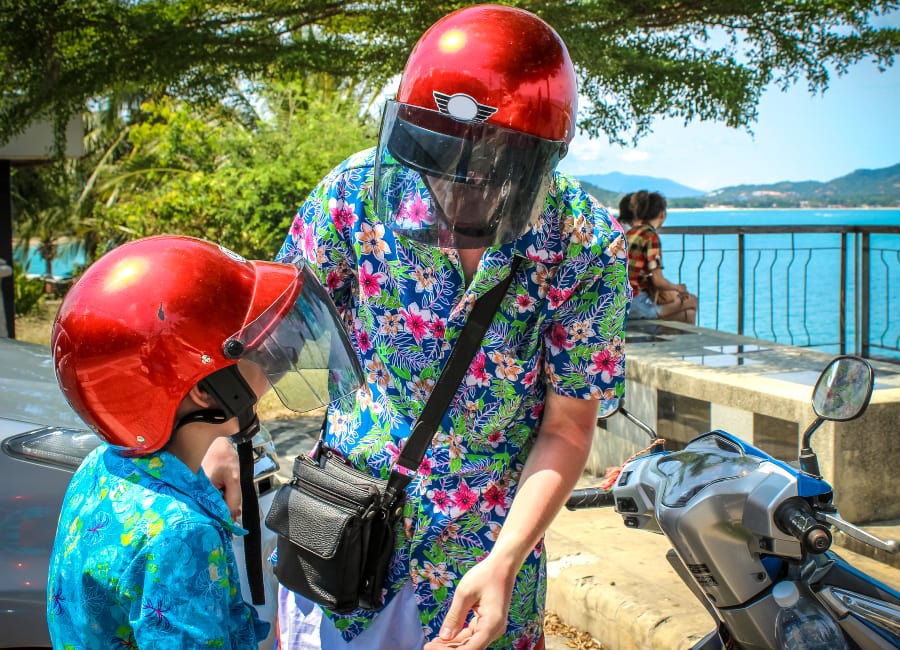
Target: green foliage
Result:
[[206, 172], [46, 206], [28, 292], [216, 119], [693, 59]]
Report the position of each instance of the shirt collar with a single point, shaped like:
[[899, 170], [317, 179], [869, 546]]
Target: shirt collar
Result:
[[194, 490]]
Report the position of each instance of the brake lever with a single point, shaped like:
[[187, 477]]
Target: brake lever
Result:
[[888, 546]]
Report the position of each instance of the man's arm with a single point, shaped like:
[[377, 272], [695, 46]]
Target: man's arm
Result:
[[553, 467]]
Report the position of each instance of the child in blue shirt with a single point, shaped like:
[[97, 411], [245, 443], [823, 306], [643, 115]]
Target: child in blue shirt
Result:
[[163, 347]]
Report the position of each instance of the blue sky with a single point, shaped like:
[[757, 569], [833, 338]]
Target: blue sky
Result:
[[797, 137]]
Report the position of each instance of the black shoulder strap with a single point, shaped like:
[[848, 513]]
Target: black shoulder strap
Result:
[[447, 384]]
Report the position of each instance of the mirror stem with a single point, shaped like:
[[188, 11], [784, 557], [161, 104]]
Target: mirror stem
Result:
[[811, 429], [640, 425], [809, 462]]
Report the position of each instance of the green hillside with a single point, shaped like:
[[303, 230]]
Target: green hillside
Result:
[[862, 188], [607, 199]]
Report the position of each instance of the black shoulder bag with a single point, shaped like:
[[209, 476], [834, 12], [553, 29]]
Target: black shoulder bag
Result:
[[336, 525]]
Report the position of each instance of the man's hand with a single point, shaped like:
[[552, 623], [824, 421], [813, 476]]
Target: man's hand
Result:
[[486, 591], [223, 470]]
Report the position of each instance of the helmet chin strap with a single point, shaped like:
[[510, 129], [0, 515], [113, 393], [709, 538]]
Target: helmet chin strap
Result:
[[237, 399], [249, 425]]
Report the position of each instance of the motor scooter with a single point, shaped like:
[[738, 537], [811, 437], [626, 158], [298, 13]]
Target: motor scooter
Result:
[[741, 521]]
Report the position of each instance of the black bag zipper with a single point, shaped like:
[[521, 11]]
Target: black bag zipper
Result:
[[345, 503]]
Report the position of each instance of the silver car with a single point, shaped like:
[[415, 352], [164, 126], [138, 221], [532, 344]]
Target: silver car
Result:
[[42, 441]]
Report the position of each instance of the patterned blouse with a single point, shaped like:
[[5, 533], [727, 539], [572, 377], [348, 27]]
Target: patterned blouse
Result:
[[644, 257], [404, 303], [143, 558]]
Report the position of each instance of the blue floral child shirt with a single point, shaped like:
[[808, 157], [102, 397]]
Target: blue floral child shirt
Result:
[[143, 558]]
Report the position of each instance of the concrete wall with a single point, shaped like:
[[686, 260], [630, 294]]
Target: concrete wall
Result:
[[858, 457]]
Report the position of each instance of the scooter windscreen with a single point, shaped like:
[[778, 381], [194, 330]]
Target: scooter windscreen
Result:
[[706, 460], [303, 348], [459, 184]]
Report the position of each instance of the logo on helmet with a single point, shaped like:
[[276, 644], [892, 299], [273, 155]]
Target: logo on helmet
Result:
[[230, 253], [462, 107]]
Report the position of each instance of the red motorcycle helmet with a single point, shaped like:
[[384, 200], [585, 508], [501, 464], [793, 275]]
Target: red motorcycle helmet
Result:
[[485, 111], [154, 317]]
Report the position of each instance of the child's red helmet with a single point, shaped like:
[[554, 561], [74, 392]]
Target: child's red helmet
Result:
[[487, 102], [152, 318]]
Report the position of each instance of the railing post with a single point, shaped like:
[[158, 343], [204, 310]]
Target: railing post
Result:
[[859, 275], [863, 301], [842, 297], [740, 284]]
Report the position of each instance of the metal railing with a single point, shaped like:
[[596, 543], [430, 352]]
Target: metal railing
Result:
[[834, 288]]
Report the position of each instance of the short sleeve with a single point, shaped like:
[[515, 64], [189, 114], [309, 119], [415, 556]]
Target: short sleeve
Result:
[[654, 251], [319, 233], [585, 342]]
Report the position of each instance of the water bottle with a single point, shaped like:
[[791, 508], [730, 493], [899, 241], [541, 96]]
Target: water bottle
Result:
[[802, 624]]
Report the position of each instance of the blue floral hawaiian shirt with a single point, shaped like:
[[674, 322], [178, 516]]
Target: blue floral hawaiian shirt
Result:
[[143, 558], [404, 303]]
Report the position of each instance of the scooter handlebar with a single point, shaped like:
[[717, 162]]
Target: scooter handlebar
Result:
[[796, 518], [590, 498]]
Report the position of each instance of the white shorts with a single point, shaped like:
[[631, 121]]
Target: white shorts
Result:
[[302, 626]]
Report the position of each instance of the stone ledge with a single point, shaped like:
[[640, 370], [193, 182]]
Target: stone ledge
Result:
[[684, 380]]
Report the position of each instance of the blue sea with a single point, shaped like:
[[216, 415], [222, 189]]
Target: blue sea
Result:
[[792, 281]]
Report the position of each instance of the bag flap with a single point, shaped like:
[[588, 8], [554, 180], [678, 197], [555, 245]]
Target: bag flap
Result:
[[311, 523]]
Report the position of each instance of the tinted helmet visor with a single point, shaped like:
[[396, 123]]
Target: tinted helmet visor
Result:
[[459, 184], [302, 347]]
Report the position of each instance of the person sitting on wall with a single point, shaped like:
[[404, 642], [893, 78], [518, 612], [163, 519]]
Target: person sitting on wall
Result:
[[625, 214], [655, 297]]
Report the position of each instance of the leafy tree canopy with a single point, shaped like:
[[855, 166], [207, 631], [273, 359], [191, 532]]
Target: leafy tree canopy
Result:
[[637, 60], [231, 175]]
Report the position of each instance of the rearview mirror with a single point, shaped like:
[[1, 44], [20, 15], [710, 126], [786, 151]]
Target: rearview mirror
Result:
[[608, 408], [844, 389]]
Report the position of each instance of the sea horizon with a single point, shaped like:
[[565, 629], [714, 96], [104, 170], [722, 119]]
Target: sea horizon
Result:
[[714, 208], [722, 216]]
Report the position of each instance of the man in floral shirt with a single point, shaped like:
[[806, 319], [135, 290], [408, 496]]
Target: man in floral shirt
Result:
[[406, 237]]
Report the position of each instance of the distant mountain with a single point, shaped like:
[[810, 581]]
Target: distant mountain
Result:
[[872, 187], [606, 198], [863, 187], [619, 183]]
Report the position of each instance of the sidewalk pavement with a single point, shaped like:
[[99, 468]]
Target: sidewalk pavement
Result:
[[616, 584]]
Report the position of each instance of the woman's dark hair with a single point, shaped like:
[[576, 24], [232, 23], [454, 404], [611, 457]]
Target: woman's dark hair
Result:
[[638, 205], [626, 216], [648, 207]]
